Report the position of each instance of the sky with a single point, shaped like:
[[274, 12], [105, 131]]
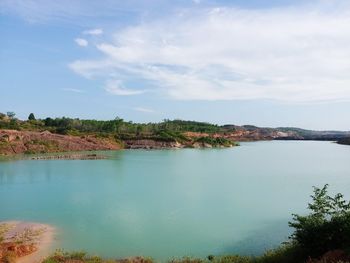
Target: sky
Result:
[[266, 63]]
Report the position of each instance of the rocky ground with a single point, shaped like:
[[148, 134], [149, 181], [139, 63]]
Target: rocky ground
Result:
[[20, 142], [32, 142], [24, 242]]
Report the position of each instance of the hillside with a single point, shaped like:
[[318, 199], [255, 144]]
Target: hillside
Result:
[[67, 134], [19, 142]]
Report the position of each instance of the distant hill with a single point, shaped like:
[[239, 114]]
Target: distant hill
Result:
[[39, 135]]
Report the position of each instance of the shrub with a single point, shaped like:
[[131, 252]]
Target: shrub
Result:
[[232, 259], [219, 141], [326, 228], [187, 260], [286, 253], [31, 117]]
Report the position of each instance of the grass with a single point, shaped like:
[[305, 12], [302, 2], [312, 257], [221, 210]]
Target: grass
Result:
[[61, 256], [171, 136], [285, 254], [216, 142], [43, 146]]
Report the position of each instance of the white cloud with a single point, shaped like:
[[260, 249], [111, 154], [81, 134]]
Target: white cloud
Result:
[[298, 54], [95, 32], [74, 90], [81, 42], [116, 87], [145, 110]]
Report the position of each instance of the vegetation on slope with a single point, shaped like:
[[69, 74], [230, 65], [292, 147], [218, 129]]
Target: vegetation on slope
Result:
[[120, 130], [322, 236], [215, 141], [124, 128], [345, 141], [171, 132]]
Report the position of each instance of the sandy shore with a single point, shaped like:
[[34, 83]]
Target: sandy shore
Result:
[[41, 236]]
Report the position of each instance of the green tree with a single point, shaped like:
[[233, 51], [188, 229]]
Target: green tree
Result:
[[11, 114], [31, 117], [118, 123], [326, 228]]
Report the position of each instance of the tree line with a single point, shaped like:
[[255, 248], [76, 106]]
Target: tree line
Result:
[[118, 125]]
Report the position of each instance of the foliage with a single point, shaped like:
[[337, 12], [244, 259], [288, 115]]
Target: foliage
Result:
[[345, 141], [11, 114], [186, 260], [192, 126], [31, 117], [218, 141], [232, 259], [326, 228], [286, 253], [61, 256], [167, 130], [2, 116], [167, 135], [11, 124]]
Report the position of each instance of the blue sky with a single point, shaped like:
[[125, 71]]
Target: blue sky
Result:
[[267, 63]]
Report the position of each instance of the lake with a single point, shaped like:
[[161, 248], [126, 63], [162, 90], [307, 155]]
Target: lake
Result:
[[172, 203]]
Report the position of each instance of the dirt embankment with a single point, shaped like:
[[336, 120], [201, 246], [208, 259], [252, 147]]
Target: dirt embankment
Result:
[[24, 242], [19, 142]]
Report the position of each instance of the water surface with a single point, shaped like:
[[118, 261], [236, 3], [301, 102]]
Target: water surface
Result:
[[170, 203]]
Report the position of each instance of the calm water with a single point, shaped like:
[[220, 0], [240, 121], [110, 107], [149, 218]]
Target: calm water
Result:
[[174, 202]]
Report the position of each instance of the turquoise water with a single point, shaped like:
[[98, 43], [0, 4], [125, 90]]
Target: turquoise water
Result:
[[171, 203]]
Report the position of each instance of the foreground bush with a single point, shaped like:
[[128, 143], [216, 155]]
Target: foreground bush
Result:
[[326, 228], [61, 256]]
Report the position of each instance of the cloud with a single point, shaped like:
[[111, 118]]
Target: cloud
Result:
[[145, 110], [116, 87], [291, 54], [94, 32], [81, 42], [74, 90]]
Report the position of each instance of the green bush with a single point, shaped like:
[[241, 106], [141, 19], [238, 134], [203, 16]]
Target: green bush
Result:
[[31, 117], [170, 136], [219, 141], [326, 228], [286, 253], [232, 259], [186, 260], [75, 256]]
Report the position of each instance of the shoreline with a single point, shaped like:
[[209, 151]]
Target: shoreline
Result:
[[95, 155], [31, 242], [92, 155]]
